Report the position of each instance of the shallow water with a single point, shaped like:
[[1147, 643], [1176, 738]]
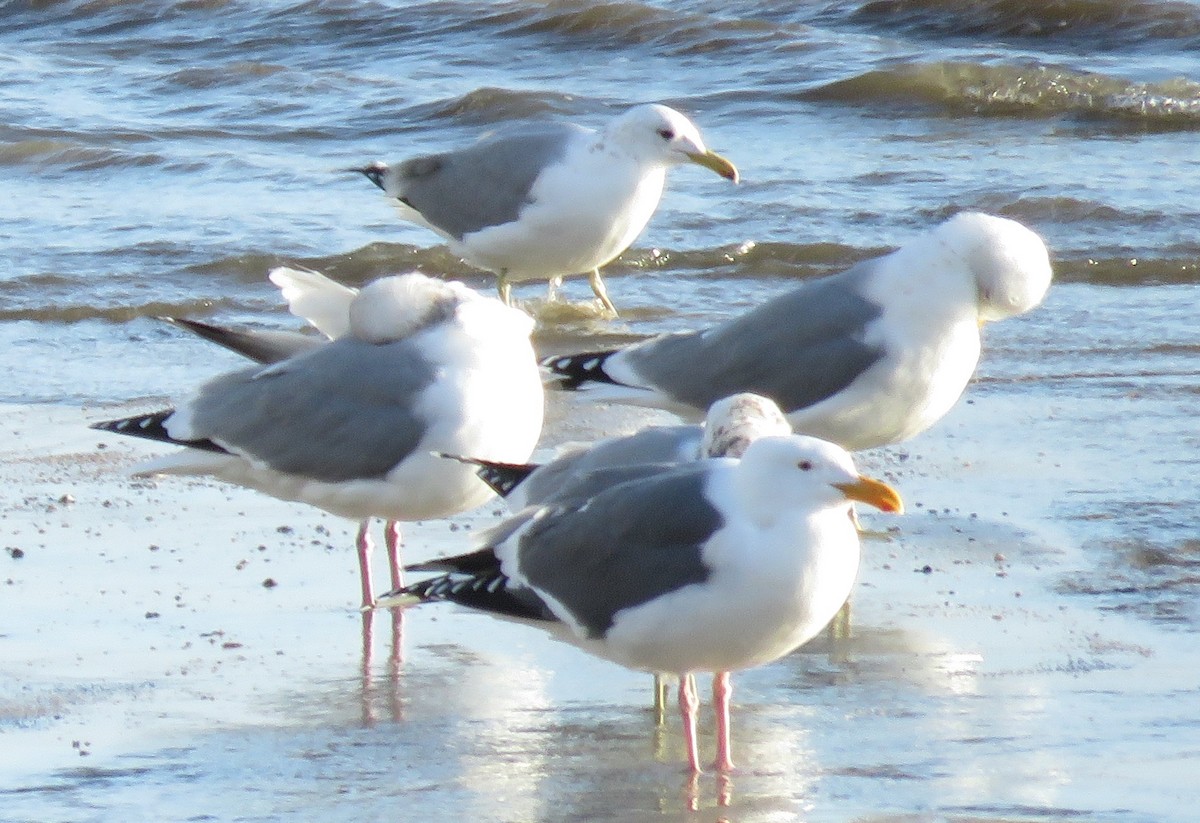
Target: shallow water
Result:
[[159, 158]]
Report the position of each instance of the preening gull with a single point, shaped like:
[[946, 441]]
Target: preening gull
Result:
[[311, 296], [350, 425], [542, 200], [870, 356], [325, 305], [713, 566]]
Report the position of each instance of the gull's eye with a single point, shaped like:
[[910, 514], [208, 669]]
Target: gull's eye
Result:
[[804, 465], [666, 134]]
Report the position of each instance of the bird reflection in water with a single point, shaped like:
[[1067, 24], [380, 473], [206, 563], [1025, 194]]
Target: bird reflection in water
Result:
[[376, 691]]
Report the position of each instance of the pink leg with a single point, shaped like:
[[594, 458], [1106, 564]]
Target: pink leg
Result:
[[364, 546], [722, 690], [391, 536], [689, 703]]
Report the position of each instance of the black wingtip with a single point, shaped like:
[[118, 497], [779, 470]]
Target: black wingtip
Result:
[[488, 592], [206, 330], [501, 478], [152, 427], [572, 371], [375, 172]]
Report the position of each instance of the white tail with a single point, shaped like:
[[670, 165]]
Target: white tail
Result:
[[314, 297]]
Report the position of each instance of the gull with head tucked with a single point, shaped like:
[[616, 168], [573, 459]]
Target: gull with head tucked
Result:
[[870, 356], [350, 425]]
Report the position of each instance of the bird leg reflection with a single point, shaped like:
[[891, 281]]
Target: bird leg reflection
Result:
[[691, 791], [724, 790], [368, 643], [839, 627], [395, 662], [394, 665]]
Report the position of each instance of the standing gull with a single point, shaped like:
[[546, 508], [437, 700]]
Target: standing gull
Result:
[[714, 566], [542, 200], [350, 425], [730, 426], [325, 305], [871, 356]]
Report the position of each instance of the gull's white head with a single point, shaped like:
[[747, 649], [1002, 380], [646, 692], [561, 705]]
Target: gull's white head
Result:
[[392, 308], [655, 133], [1010, 262], [809, 474], [734, 422]]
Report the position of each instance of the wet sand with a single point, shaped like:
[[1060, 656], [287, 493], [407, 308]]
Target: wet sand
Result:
[[151, 671]]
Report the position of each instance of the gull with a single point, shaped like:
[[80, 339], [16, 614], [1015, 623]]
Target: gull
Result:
[[870, 356], [325, 305], [581, 471], [542, 200], [713, 566], [350, 425]]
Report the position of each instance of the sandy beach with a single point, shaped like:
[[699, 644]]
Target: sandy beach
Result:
[[186, 650]]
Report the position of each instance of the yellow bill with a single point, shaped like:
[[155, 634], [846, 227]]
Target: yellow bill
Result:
[[715, 162], [873, 493]]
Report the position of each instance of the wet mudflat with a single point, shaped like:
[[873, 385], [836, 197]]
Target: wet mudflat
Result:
[[1018, 647]]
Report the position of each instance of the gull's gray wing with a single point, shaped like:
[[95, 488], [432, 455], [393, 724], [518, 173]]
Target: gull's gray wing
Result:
[[623, 547], [797, 349], [261, 346], [653, 444], [659, 445], [582, 485], [344, 411], [485, 184]]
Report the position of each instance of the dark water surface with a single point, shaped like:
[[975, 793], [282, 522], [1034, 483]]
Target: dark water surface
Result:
[[159, 157]]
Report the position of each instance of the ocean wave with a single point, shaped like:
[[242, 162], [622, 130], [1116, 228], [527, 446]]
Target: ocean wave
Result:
[[627, 24], [65, 154], [1095, 25], [489, 105], [230, 74], [65, 298], [1128, 271], [235, 25], [353, 268], [749, 259], [1030, 91], [206, 290]]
